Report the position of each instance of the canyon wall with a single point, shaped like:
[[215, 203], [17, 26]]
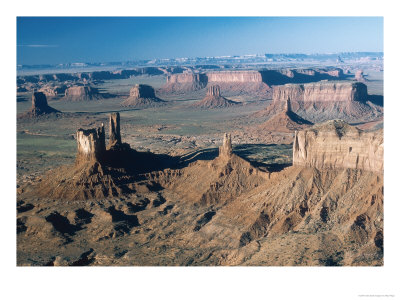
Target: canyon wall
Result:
[[336, 144]]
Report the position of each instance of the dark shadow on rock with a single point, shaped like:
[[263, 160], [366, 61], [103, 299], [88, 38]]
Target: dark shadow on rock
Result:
[[62, 224], [376, 99]]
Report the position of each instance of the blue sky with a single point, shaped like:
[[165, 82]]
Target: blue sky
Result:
[[52, 40]]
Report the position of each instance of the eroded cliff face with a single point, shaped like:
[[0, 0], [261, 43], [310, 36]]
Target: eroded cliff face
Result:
[[335, 144], [91, 145], [322, 101], [321, 92]]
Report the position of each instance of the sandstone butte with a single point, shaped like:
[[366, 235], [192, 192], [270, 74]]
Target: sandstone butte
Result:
[[39, 106], [213, 99], [141, 96], [81, 93], [335, 144]]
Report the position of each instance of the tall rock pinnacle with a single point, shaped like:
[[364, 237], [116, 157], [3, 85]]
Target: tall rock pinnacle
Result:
[[115, 133], [226, 149]]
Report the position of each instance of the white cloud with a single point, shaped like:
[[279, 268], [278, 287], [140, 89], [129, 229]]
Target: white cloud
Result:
[[38, 46]]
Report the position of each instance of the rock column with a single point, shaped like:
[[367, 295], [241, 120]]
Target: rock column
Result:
[[226, 149], [115, 133], [91, 144]]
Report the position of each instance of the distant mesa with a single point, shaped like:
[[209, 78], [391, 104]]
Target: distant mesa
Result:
[[285, 121], [321, 101], [82, 93], [214, 99], [142, 96], [39, 106]]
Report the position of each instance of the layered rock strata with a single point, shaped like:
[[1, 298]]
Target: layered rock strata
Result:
[[322, 101], [336, 144]]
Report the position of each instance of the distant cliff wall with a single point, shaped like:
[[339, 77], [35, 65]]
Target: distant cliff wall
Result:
[[321, 92]]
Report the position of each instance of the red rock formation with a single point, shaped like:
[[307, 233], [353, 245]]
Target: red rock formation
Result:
[[325, 100], [141, 96], [359, 76], [226, 149], [39, 106], [81, 93], [336, 144], [214, 99], [179, 83], [91, 145]]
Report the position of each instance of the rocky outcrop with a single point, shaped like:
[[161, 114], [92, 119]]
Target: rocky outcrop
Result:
[[359, 76], [91, 145], [336, 144], [214, 99], [39, 106], [142, 96], [226, 149], [53, 91], [81, 93]]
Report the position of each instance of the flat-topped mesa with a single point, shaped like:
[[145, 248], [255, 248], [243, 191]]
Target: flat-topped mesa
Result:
[[81, 93], [91, 145], [321, 92], [142, 91], [226, 149], [336, 144], [115, 133], [234, 76]]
